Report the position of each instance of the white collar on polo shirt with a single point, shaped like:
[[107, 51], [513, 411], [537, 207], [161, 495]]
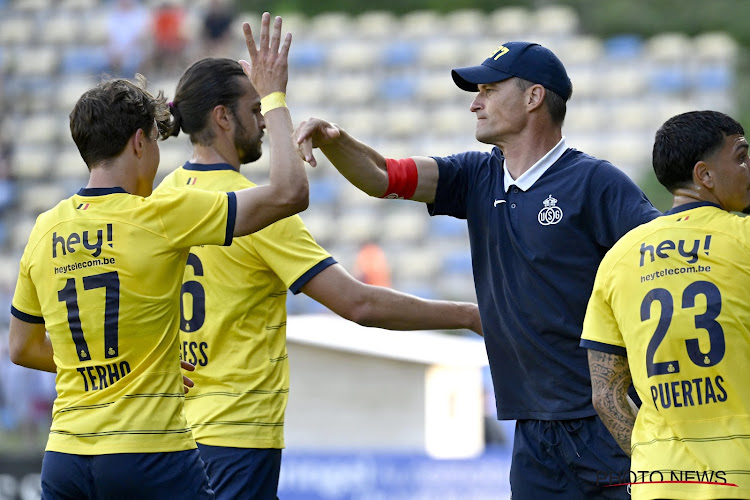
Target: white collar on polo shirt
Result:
[[528, 178]]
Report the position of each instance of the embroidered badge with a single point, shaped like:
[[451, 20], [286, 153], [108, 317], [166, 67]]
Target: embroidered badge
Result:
[[551, 213]]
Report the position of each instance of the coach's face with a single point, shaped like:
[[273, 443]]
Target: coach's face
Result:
[[249, 126], [729, 170], [500, 111]]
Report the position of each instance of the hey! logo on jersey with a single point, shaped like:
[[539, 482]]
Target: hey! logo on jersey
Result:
[[551, 213], [687, 250], [69, 243]]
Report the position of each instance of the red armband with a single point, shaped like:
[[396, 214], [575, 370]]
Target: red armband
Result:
[[402, 178]]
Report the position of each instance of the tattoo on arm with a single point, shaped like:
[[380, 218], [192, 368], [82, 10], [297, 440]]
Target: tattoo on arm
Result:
[[610, 379]]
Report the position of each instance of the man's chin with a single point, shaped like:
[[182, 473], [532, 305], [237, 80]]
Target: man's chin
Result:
[[250, 158]]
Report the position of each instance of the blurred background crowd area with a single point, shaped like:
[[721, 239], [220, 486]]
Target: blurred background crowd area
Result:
[[383, 73]]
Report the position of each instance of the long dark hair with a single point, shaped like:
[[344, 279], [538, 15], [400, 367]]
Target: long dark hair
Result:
[[206, 84]]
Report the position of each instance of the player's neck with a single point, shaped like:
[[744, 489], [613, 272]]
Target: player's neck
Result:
[[111, 175], [527, 149], [210, 155], [685, 195]]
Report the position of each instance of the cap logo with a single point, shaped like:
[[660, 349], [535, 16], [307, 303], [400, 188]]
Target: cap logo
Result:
[[499, 52]]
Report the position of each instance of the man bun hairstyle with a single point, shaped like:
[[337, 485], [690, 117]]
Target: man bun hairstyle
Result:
[[206, 84]]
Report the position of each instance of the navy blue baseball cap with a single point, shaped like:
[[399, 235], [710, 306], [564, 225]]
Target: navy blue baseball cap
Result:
[[526, 60]]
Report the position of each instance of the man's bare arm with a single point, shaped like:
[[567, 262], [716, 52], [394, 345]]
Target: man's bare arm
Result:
[[610, 379], [364, 167]]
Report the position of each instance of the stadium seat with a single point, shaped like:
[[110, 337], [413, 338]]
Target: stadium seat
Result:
[[61, 28], [87, 60], [444, 227], [352, 89], [96, 32], [623, 80], [436, 88], [354, 56], [32, 5], [375, 25], [69, 165], [398, 88], [41, 197], [669, 78], [623, 47], [457, 262], [510, 23], [406, 225], [713, 77], [555, 20], [442, 53], [401, 53], [32, 162], [43, 128], [422, 25], [358, 226], [309, 56], [324, 191], [668, 48], [330, 26], [415, 264], [715, 47], [465, 23], [16, 29], [452, 119], [36, 61], [78, 4]]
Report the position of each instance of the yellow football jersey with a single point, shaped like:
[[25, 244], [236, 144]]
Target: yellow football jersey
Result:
[[233, 321], [672, 295], [102, 270]]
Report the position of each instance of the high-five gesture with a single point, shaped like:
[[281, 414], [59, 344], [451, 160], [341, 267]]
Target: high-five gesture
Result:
[[287, 192], [268, 69]]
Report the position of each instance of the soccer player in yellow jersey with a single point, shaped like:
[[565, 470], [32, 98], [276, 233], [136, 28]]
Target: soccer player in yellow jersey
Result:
[[102, 273], [233, 320], [669, 310]]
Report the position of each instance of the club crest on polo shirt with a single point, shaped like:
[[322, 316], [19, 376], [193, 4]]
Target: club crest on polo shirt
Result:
[[551, 213]]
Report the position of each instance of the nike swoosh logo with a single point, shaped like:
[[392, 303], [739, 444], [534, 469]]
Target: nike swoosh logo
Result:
[[498, 202]]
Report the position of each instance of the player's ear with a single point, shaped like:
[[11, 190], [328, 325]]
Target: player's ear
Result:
[[535, 96], [702, 175], [138, 142], [221, 116]]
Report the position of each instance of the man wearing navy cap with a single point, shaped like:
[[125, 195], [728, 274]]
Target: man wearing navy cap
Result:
[[541, 216]]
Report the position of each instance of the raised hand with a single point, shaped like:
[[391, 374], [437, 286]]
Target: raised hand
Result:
[[268, 68]]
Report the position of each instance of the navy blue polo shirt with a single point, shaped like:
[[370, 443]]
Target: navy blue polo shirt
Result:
[[535, 254]]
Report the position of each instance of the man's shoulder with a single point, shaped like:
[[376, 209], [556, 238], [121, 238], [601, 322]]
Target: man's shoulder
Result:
[[472, 158], [209, 180]]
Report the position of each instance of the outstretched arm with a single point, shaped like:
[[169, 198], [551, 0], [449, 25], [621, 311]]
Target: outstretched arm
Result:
[[364, 167], [30, 346], [382, 307], [610, 379], [287, 192]]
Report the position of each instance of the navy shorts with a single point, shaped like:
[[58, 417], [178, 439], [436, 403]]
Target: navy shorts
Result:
[[567, 459], [125, 476], [242, 473]]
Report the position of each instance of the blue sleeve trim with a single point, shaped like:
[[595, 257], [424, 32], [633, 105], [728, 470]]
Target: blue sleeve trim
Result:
[[310, 274], [231, 218], [600, 346], [28, 318]]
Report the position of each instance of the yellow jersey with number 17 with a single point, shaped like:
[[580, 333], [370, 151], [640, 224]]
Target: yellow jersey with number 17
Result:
[[233, 324], [672, 296], [102, 270]]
